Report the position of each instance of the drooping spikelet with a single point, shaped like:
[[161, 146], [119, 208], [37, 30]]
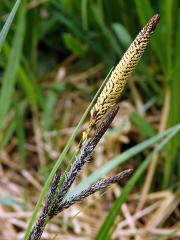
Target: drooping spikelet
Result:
[[117, 81]]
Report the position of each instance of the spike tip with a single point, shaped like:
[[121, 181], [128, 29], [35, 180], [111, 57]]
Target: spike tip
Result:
[[153, 23]]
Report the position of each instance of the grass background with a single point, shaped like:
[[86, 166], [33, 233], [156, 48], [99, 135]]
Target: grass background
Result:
[[53, 57]]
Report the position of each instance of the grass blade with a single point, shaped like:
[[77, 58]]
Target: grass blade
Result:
[[12, 65], [8, 23], [106, 227], [84, 14], [11, 128], [173, 148], [26, 80], [122, 34], [20, 133], [110, 165], [145, 128], [145, 11]]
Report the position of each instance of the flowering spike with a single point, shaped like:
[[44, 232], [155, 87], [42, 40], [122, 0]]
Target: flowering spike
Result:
[[114, 87], [117, 81]]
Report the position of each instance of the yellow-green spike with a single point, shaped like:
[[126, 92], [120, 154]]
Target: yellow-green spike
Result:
[[117, 81]]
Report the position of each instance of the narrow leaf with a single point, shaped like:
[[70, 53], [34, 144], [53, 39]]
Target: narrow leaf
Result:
[[106, 227], [8, 23], [12, 65]]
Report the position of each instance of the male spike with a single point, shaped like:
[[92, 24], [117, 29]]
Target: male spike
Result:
[[111, 93]]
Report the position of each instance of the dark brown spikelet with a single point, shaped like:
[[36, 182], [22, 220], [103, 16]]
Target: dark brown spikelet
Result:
[[84, 156], [99, 185]]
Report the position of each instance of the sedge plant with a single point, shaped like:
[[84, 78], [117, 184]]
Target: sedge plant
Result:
[[102, 114]]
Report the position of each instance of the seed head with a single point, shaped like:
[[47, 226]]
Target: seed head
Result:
[[117, 81], [110, 95]]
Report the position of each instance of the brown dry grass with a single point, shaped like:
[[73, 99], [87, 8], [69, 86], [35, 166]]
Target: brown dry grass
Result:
[[158, 214]]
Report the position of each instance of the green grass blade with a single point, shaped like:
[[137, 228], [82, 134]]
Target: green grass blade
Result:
[[177, 45], [50, 103], [74, 28], [12, 65], [7, 134], [34, 88], [8, 23], [116, 161], [106, 227], [167, 17], [145, 12], [99, 17], [20, 133], [32, 23], [122, 34], [9, 131], [60, 160], [173, 148], [27, 82], [84, 14], [145, 128]]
